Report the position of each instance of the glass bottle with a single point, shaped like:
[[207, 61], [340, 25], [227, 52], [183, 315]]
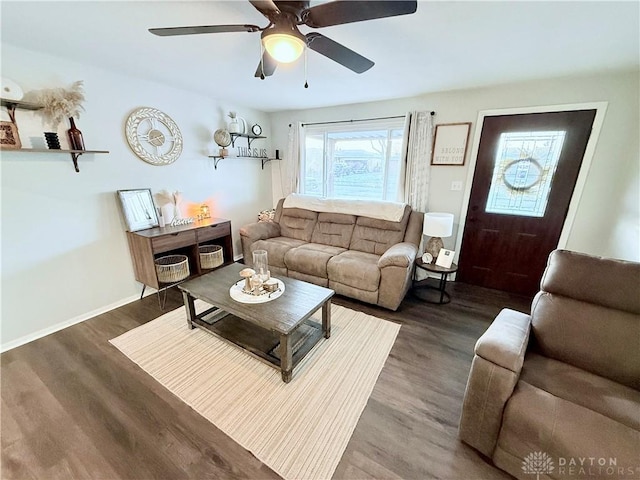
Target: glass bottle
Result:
[[75, 136]]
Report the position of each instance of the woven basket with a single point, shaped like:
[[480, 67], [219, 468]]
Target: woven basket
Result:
[[172, 268], [211, 256]]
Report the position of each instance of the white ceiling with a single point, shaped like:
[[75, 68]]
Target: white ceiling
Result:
[[445, 45]]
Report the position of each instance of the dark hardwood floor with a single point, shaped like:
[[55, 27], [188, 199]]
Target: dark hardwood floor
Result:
[[74, 407]]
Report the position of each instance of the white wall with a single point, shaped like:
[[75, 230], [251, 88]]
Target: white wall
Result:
[[608, 216], [64, 249]]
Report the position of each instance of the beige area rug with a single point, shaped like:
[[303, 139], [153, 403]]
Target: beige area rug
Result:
[[299, 429]]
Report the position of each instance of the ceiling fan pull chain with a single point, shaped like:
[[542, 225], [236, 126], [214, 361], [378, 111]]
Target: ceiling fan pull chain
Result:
[[261, 61], [306, 84]]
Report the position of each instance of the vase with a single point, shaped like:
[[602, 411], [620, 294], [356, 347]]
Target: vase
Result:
[[53, 142], [75, 136], [261, 264]]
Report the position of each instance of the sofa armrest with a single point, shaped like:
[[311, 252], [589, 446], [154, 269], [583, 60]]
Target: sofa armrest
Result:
[[505, 341], [495, 371], [260, 231], [399, 255], [396, 271]]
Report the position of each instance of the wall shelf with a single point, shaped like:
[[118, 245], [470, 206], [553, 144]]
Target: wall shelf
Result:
[[250, 138], [13, 104], [217, 158], [74, 153]]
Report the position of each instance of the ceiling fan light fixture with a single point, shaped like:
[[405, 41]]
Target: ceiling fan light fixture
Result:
[[284, 47]]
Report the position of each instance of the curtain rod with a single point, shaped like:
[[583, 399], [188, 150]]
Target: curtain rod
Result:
[[359, 120]]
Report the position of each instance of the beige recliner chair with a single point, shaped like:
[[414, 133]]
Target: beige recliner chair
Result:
[[557, 392]]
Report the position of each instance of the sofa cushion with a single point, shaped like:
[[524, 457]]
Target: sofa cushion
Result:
[[297, 223], [596, 393], [334, 229], [537, 421], [311, 258], [276, 248], [355, 269], [376, 236]]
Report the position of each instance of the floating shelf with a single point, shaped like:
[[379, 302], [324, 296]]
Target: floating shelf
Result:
[[217, 158], [250, 138], [13, 104], [74, 153]]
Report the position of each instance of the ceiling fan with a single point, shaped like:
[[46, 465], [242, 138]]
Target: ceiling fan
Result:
[[283, 42]]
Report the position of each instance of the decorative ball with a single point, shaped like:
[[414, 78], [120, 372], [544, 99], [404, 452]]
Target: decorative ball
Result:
[[222, 138]]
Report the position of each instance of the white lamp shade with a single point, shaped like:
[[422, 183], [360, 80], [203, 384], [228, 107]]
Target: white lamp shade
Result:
[[438, 224], [284, 48]]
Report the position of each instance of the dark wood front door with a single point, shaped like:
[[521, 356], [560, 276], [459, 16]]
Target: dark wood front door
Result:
[[526, 171]]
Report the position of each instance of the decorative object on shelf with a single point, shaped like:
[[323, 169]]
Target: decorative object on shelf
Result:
[[9, 137], [204, 212], [181, 221], [153, 136], [60, 103], [436, 225], [450, 143], [256, 129], [138, 208], [223, 139], [445, 258], [161, 222], [53, 142], [75, 136], [237, 124], [10, 90], [172, 268]]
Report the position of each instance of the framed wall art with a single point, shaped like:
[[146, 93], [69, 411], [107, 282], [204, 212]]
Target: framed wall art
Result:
[[450, 143], [9, 138], [138, 209]]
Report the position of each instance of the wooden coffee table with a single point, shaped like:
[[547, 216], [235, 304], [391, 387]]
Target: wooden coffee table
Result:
[[279, 332]]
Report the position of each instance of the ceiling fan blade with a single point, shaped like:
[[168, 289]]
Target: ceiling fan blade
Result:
[[171, 31], [267, 66], [348, 11], [265, 7], [338, 53]]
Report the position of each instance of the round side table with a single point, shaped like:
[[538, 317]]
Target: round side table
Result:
[[444, 274]]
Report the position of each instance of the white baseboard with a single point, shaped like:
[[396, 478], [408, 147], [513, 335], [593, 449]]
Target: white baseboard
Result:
[[80, 318], [67, 323]]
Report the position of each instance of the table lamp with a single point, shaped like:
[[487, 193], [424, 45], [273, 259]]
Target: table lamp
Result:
[[436, 226]]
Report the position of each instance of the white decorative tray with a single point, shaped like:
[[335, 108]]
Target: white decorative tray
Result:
[[238, 294]]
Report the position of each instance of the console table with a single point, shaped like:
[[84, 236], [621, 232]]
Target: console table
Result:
[[147, 245]]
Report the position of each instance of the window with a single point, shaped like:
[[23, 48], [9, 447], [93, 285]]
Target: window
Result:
[[523, 170], [356, 160]]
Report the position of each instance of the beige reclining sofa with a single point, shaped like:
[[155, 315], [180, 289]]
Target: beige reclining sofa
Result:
[[364, 250], [557, 393]]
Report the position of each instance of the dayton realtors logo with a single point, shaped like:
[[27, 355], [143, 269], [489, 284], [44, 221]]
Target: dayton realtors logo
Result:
[[536, 463]]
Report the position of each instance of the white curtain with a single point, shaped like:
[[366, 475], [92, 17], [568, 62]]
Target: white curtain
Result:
[[290, 164], [416, 166]]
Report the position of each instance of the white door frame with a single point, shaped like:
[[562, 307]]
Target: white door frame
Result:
[[601, 109]]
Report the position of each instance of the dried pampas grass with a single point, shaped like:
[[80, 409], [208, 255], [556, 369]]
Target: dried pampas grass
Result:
[[61, 103]]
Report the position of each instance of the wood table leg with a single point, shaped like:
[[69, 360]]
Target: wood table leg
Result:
[[326, 318], [285, 358], [191, 309]]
